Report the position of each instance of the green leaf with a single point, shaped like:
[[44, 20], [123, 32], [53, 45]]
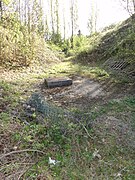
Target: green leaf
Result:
[[6, 1]]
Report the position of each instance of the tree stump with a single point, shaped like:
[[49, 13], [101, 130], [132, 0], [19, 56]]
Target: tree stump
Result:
[[57, 82]]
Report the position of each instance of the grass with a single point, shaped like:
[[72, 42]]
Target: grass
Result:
[[68, 68], [107, 49], [99, 146], [84, 153]]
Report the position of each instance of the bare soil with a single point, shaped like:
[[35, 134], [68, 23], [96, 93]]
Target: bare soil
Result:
[[83, 94]]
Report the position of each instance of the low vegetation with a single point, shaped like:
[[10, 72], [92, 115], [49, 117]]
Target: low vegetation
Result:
[[21, 48], [95, 142], [85, 150]]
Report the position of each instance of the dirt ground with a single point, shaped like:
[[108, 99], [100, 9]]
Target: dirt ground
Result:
[[82, 89], [85, 93]]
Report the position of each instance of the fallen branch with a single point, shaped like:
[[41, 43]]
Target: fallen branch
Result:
[[21, 151], [86, 130], [23, 172]]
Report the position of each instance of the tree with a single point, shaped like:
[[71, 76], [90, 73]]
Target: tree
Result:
[[52, 16], [74, 19], [57, 16], [1, 6], [129, 5], [92, 21], [64, 23], [55, 21], [1, 9], [46, 29]]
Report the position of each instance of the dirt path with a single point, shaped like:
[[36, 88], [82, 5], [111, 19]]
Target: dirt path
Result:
[[83, 93], [107, 109], [82, 89]]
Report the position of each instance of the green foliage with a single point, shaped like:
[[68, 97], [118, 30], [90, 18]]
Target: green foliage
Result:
[[80, 43], [113, 41], [110, 27], [6, 1], [18, 46], [122, 46], [127, 104], [56, 39], [71, 138], [69, 141], [73, 148], [9, 97], [66, 45], [4, 116]]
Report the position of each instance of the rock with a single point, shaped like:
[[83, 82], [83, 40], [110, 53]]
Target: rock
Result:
[[57, 82]]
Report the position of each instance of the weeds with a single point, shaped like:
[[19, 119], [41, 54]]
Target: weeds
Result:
[[95, 144], [81, 156], [70, 69]]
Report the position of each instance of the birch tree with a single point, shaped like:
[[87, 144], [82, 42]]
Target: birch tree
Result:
[[1, 10], [6, 2], [64, 23], [92, 21], [129, 5], [52, 16], [74, 19], [57, 16]]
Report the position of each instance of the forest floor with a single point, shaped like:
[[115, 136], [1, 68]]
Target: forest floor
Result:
[[105, 150]]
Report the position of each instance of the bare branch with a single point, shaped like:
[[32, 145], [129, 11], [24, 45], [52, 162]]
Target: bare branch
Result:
[[129, 5], [21, 151]]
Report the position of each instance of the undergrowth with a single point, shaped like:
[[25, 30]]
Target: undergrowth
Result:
[[98, 146], [82, 153], [19, 47]]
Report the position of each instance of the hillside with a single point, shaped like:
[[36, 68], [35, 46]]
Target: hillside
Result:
[[114, 49], [20, 48]]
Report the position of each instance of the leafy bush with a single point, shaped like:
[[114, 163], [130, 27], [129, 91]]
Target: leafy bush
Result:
[[18, 46], [56, 39]]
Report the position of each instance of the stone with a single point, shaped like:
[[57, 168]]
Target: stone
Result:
[[57, 82]]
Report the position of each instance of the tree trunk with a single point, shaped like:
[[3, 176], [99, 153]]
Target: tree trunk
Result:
[[1, 10], [52, 17], [57, 16], [72, 24]]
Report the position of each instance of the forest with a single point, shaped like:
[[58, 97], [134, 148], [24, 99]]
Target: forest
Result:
[[67, 90]]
